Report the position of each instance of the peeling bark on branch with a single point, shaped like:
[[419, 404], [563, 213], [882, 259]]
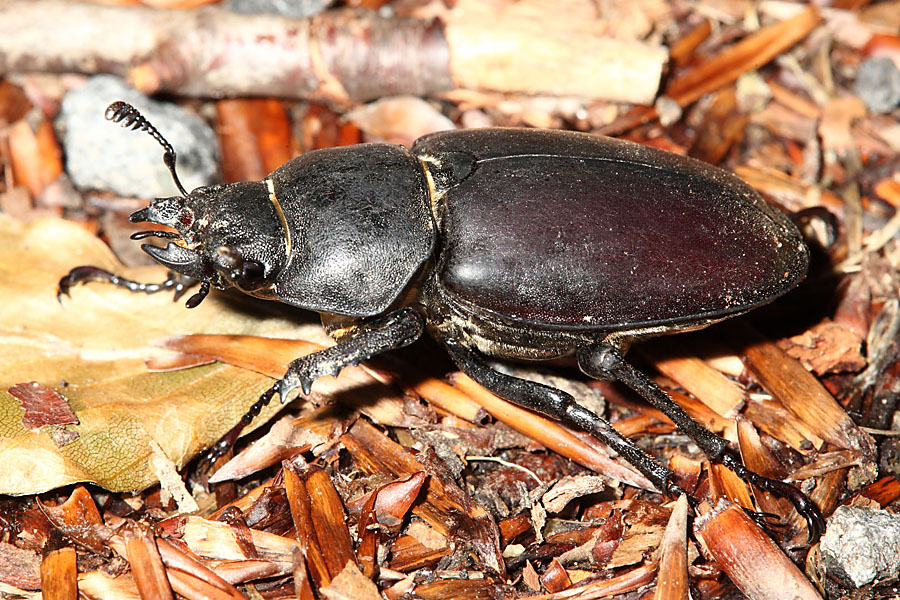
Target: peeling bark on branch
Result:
[[338, 56]]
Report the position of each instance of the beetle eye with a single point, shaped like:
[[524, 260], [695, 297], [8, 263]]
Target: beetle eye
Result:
[[251, 277]]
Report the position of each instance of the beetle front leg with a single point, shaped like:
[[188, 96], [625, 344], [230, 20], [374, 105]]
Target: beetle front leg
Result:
[[561, 406], [175, 281], [603, 361], [391, 331]]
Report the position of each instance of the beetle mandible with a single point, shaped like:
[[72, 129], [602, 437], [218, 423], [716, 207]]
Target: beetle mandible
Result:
[[506, 243]]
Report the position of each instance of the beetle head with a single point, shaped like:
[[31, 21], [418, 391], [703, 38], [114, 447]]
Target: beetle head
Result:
[[227, 236]]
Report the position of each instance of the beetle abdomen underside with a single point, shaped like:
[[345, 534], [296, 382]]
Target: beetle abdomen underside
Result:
[[609, 242]]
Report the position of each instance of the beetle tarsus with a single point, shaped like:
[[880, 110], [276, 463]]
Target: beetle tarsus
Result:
[[175, 281], [805, 507], [195, 300], [228, 440], [602, 361]]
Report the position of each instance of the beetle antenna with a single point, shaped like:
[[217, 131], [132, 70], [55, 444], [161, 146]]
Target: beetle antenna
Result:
[[130, 117]]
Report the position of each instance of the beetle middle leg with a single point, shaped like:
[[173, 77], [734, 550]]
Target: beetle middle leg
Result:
[[559, 405], [603, 361], [389, 332]]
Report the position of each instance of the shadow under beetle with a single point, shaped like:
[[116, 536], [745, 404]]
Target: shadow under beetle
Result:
[[507, 243]]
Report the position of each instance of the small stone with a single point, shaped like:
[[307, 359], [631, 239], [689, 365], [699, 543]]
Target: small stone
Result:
[[861, 545], [878, 84], [287, 8], [103, 155]]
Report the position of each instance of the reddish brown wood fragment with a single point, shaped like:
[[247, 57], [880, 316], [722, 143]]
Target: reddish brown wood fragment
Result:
[[195, 588], [794, 101], [78, 509], [255, 136], [59, 575], [686, 471], [750, 53], [787, 191], [448, 398], [320, 520], [234, 517], [180, 561], [462, 589], [36, 155], [778, 422], [883, 491], [749, 557], [409, 556], [369, 4], [722, 127], [802, 394], [307, 537], [827, 494], [20, 567], [889, 191], [715, 390], [393, 500], [446, 507], [555, 577], [146, 565], [43, 406], [606, 539], [14, 103], [643, 424], [512, 527], [530, 577], [626, 582], [682, 51], [850, 5], [265, 355], [79, 519], [321, 127], [723, 483], [368, 534], [758, 458], [672, 580], [302, 585]]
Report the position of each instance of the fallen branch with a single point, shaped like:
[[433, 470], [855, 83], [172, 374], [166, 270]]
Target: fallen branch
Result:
[[340, 56]]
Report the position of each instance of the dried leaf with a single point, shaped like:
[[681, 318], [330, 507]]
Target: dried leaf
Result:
[[93, 346]]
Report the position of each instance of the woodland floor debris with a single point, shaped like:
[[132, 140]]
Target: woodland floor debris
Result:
[[396, 479]]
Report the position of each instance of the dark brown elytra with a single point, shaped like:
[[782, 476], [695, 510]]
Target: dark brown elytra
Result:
[[500, 243]]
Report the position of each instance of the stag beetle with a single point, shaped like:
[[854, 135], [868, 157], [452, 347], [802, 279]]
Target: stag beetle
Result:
[[504, 243]]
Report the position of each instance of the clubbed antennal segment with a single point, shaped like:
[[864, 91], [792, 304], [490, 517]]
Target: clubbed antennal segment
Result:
[[129, 117]]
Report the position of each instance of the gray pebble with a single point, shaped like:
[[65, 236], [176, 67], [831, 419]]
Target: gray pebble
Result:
[[861, 545], [104, 155], [878, 84], [288, 8]]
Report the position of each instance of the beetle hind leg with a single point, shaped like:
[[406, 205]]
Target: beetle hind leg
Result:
[[603, 361], [561, 406]]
